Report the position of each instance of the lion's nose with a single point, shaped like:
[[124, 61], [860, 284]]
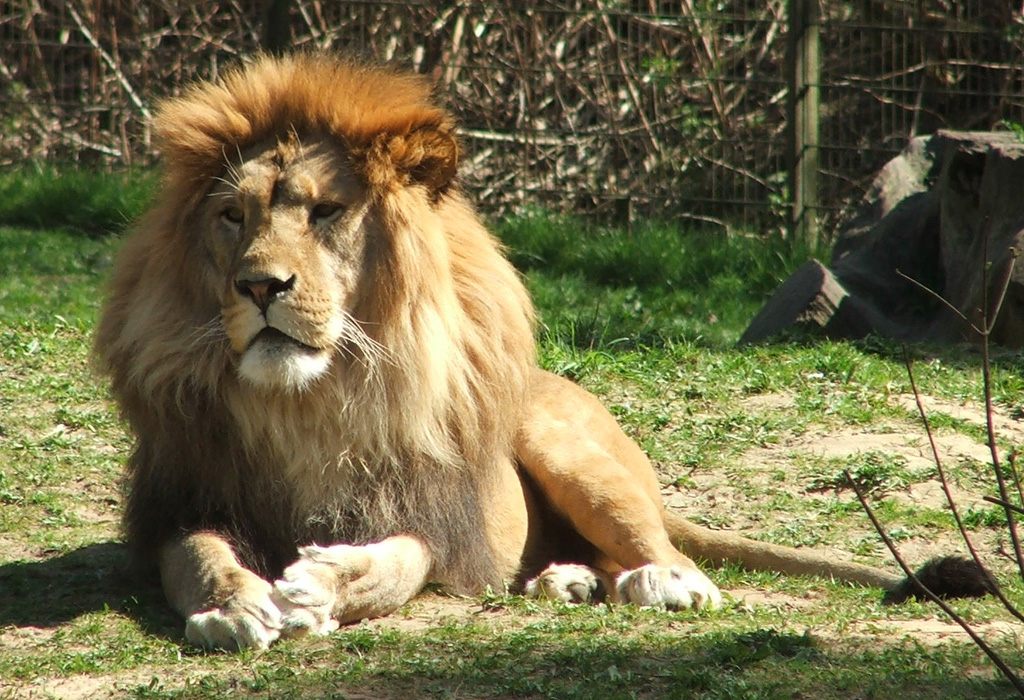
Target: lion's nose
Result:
[[264, 290]]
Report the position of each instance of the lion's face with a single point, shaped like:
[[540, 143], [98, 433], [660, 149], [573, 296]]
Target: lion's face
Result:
[[285, 232]]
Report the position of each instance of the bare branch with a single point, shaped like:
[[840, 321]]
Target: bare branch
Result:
[[944, 482], [1004, 504], [108, 59], [986, 370], [975, 637], [931, 292]]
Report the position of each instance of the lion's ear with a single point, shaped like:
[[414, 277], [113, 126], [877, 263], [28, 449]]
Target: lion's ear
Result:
[[437, 165], [427, 156]]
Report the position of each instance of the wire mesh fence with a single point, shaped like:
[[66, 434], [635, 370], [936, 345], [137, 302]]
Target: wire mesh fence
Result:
[[892, 70], [619, 109]]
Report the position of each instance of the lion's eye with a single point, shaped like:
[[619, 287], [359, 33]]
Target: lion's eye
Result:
[[323, 211], [233, 215]]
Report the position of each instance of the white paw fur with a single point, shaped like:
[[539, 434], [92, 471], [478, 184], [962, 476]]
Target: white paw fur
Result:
[[342, 583], [569, 583], [306, 596], [248, 620], [669, 587]]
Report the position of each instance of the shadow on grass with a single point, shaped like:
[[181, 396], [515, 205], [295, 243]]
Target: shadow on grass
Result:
[[479, 661], [97, 577], [564, 656], [953, 356]]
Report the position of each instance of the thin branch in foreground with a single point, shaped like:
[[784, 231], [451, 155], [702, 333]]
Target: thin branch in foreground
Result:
[[1004, 286], [953, 615], [988, 322], [945, 302], [989, 318], [1004, 504], [947, 491]]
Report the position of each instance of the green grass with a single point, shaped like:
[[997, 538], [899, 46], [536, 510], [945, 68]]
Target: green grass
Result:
[[49, 275], [85, 201], [647, 319], [602, 287]]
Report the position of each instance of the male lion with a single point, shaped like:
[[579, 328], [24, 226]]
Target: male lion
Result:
[[328, 366]]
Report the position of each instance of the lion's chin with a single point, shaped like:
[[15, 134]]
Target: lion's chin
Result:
[[273, 360]]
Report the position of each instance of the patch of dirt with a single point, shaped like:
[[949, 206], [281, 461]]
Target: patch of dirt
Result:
[[430, 609], [756, 598], [752, 496], [932, 631], [972, 412], [911, 444], [78, 687], [907, 440], [88, 687], [769, 403], [930, 494], [16, 549], [21, 637]]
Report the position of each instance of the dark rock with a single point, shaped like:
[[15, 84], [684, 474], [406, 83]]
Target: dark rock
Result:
[[813, 298], [931, 221]]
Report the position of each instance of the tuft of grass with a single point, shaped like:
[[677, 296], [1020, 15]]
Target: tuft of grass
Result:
[[90, 202], [600, 286], [874, 471], [50, 278]]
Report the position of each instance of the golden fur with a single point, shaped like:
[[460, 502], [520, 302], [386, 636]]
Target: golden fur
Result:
[[328, 366], [436, 406]]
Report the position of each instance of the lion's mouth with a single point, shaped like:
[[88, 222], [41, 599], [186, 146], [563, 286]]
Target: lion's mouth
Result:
[[275, 359], [273, 339]]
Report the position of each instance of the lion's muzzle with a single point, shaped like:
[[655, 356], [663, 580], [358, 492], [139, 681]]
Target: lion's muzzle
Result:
[[281, 329]]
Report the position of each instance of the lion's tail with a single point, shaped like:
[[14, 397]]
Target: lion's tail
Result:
[[946, 577]]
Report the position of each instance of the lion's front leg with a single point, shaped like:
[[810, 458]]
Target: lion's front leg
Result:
[[329, 586], [224, 604]]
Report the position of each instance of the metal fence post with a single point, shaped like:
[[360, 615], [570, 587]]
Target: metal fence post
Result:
[[803, 77]]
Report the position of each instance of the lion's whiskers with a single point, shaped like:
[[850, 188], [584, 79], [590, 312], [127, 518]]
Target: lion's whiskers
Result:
[[232, 184], [232, 170], [354, 342], [352, 331], [210, 333]]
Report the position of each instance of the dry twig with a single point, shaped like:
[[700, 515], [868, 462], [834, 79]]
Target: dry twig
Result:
[[975, 637]]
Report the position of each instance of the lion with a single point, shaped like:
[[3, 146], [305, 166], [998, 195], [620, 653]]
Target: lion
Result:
[[328, 365]]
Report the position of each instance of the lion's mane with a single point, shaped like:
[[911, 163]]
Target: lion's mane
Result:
[[406, 438]]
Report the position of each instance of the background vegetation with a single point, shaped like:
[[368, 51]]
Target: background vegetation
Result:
[[619, 108]]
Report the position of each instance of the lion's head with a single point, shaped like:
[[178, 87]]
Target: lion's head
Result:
[[311, 301]]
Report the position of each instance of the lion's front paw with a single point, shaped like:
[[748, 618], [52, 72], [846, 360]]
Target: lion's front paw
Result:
[[669, 587], [249, 619], [306, 594], [569, 583]]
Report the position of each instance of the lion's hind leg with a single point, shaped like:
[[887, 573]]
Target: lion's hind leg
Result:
[[591, 475]]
